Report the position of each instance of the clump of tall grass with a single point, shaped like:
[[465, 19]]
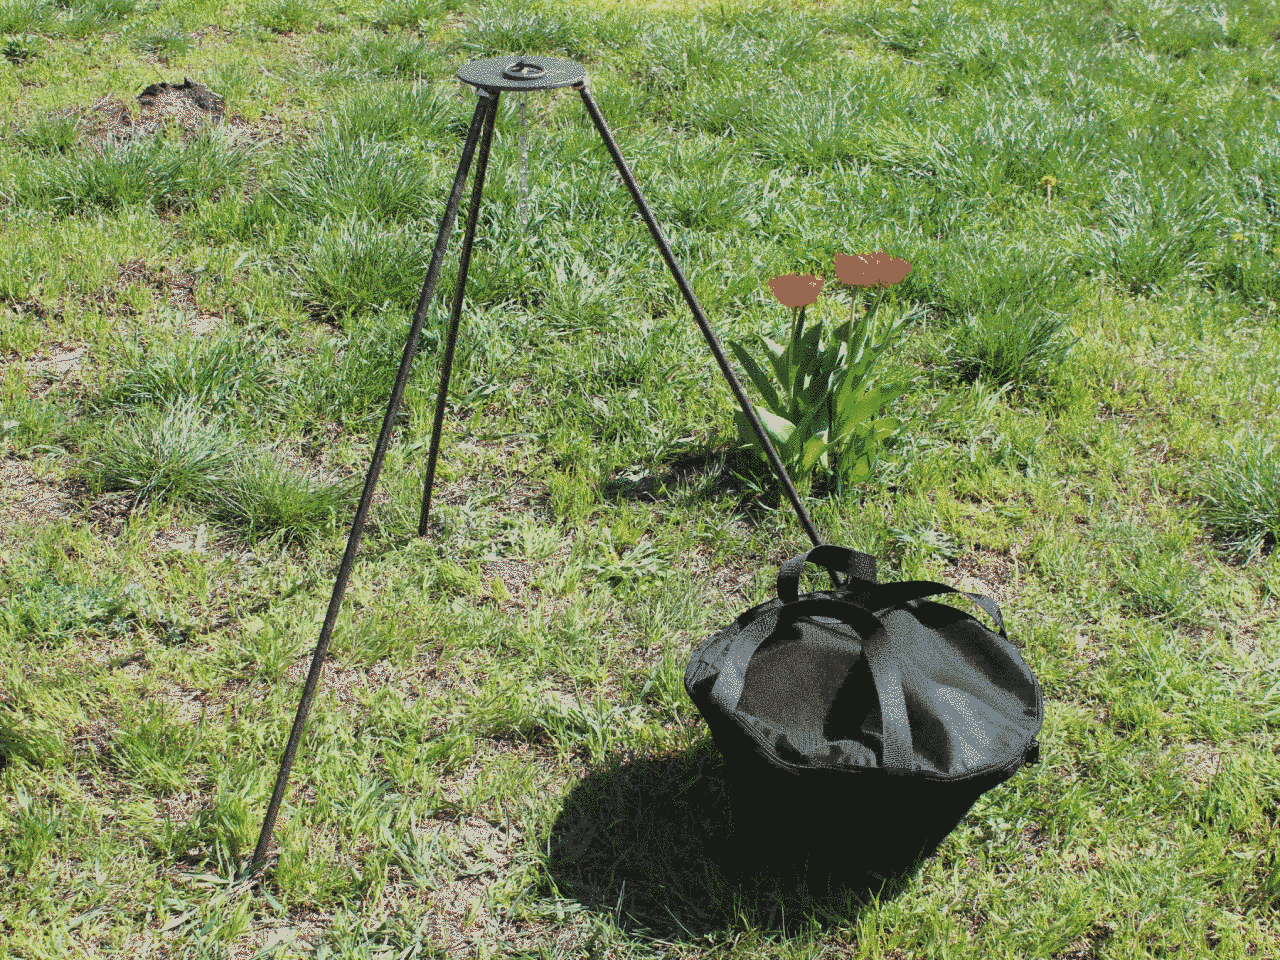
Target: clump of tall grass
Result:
[[355, 267], [165, 172], [50, 133], [1155, 230], [1010, 309], [1240, 493], [264, 497], [235, 217], [512, 25], [179, 454], [410, 13], [339, 178], [390, 55], [389, 112], [24, 16], [1160, 584], [166, 43], [1010, 346], [1246, 266], [228, 371], [287, 16], [348, 379]]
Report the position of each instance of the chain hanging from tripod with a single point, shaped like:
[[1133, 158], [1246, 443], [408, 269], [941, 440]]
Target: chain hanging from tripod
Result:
[[522, 213]]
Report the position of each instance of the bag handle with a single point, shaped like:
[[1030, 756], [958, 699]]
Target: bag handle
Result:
[[854, 564], [881, 596], [861, 586], [898, 753]]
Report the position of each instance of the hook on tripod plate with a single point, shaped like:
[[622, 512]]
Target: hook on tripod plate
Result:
[[523, 70]]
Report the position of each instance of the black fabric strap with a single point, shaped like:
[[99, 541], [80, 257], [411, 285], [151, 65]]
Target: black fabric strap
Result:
[[853, 564], [881, 596], [898, 752]]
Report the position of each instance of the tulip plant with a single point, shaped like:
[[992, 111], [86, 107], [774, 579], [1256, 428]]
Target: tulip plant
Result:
[[822, 409]]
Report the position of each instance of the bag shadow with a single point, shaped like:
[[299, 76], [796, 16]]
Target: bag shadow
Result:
[[652, 842]]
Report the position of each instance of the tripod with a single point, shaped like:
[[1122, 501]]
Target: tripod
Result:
[[490, 78]]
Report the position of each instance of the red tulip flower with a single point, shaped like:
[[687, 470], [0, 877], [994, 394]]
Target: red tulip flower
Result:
[[870, 269], [796, 290]]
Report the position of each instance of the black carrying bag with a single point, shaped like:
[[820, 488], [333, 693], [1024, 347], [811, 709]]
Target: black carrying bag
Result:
[[858, 725]]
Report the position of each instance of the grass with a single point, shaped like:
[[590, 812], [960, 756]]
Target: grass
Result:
[[359, 178], [223, 372], [198, 333], [167, 173], [176, 453], [264, 497], [354, 267], [1241, 491]]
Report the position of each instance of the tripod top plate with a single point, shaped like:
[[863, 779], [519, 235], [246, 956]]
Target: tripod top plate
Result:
[[522, 73]]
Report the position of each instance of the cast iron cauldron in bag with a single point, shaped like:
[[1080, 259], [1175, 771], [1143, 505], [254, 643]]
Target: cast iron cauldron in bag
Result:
[[858, 725]]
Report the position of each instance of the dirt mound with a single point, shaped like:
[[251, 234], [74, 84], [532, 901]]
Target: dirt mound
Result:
[[187, 104], [180, 98]]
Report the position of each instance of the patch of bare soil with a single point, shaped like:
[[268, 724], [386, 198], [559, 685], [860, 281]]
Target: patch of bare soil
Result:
[[1090, 649], [732, 582], [509, 582], [177, 288], [31, 307], [459, 916], [1033, 843], [342, 683], [25, 497], [304, 930], [190, 705], [57, 364], [491, 474], [1203, 761], [453, 915], [188, 105], [57, 359], [984, 572], [92, 739], [110, 512]]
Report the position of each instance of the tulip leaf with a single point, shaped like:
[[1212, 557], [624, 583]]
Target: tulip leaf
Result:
[[813, 451], [757, 375], [779, 359]]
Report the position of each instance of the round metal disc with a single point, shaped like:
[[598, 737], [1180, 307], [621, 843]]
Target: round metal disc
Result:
[[522, 73]]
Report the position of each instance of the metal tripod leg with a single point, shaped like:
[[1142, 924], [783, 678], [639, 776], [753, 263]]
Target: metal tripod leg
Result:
[[486, 111], [716, 350], [446, 366]]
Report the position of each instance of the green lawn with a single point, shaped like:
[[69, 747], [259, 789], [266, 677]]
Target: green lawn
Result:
[[199, 328]]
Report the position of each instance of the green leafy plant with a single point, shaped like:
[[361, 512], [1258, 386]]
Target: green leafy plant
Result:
[[19, 48], [642, 562], [823, 409], [50, 614]]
